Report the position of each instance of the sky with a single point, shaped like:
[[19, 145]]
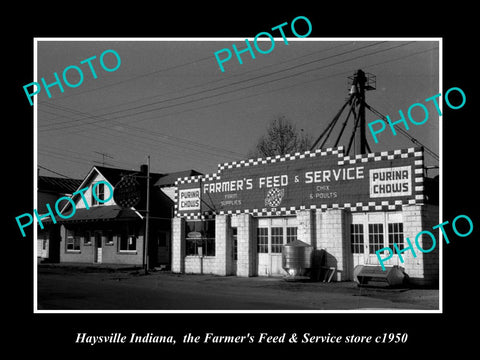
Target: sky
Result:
[[170, 100]]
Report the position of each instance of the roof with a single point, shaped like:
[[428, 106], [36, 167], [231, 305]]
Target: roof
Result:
[[169, 179], [96, 213], [114, 175], [58, 185]]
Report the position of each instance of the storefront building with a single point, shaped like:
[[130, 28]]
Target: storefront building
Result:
[[236, 221]]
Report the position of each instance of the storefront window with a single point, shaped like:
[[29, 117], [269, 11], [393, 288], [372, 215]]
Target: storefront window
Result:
[[200, 238], [291, 234], [277, 239], [356, 238], [375, 237], [395, 235], [262, 240]]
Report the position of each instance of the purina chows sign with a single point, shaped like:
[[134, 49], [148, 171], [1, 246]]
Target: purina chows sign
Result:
[[314, 179]]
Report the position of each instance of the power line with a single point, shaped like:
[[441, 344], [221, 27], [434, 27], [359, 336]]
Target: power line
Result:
[[54, 172], [343, 73], [242, 88], [262, 83], [135, 77], [172, 154], [404, 133], [230, 84], [283, 88], [207, 148], [226, 78]]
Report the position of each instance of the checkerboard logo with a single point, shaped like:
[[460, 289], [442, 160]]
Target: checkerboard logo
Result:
[[274, 197], [127, 192]]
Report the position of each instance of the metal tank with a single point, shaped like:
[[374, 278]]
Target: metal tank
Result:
[[296, 259]]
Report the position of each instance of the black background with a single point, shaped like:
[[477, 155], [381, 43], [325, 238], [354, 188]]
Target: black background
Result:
[[52, 335]]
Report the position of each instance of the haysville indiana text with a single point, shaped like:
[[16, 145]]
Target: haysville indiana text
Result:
[[119, 338]]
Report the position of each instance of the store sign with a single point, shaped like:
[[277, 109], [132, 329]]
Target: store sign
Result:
[[127, 192], [194, 235], [320, 179], [388, 182], [189, 199]]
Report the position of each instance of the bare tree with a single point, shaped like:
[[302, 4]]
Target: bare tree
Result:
[[282, 138]]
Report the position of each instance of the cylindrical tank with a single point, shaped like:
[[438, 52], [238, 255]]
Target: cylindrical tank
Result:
[[296, 258]]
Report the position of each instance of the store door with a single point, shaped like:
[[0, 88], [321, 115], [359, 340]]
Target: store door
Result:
[[98, 247], [272, 234], [370, 232]]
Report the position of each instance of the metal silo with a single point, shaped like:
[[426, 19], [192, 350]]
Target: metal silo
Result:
[[296, 259]]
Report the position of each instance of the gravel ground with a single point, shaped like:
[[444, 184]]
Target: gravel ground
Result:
[[70, 287]]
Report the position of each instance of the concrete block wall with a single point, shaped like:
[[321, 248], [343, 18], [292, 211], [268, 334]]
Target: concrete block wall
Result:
[[412, 225], [178, 245], [223, 245], [220, 264], [200, 265], [332, 238], [246, 245], [424, 268], [306, 226], [431, 260]]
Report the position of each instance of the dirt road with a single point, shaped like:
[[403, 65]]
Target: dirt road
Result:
[[66, 288]]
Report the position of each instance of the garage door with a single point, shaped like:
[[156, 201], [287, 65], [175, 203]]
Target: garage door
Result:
[[272, 234]]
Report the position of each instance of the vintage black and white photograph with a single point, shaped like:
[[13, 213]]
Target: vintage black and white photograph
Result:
[[263, 174]]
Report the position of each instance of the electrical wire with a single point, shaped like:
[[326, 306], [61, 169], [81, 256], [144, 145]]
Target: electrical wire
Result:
[[241, 82], [54, 172]]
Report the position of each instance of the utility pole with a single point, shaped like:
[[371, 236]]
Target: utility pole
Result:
[[358, 85], [360, 82], [147, 218]]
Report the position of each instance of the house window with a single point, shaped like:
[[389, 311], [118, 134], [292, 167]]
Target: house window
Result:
[[128, 242], [291, 234], [100, 193], [262, 240], [375, 237], [203, 242], [395, 235], [109, 238], [234, 244], [86, 236], [277, 239], [73, 241], [356, 238]]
